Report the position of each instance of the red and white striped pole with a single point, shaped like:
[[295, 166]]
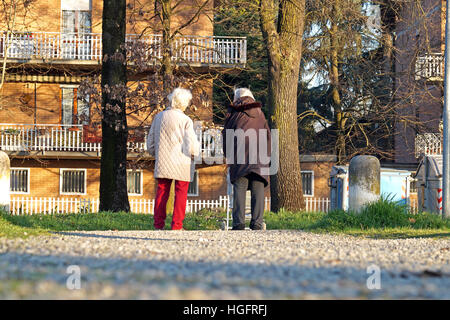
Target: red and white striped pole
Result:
[[439, 200]]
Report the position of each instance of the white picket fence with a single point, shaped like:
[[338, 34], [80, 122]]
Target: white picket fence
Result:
[[317, 204], [33, 205], [414, 206]]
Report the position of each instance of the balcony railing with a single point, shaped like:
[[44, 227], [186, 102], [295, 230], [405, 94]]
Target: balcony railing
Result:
[[54, 46], [428, 144], [430, 67], [77, 138]]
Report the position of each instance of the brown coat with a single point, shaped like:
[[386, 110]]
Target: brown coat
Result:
[[246, 114]]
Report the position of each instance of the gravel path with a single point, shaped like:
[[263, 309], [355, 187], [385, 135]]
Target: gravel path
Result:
[[222, 265]]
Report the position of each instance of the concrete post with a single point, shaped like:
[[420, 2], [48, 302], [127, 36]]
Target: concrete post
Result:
[[4, 181], [364, 182]]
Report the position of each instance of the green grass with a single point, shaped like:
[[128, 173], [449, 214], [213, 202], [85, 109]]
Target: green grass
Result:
[[382, 219], [202, 220], [10, 230], [292, 220]]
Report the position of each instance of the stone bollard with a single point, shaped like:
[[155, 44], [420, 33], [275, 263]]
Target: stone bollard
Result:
[[364, 182], [4, 181]]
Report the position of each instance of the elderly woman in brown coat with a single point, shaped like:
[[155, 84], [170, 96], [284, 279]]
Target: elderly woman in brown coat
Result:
[[246, 145]]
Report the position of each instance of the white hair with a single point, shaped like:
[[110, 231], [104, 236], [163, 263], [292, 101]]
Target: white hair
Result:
[[242, 92], [180, 98]]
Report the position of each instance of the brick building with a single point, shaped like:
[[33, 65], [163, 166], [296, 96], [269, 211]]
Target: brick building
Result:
[[316, 171], [45, 125], [419, 46]]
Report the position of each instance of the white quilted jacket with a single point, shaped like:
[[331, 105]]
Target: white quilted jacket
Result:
[[172, 141]]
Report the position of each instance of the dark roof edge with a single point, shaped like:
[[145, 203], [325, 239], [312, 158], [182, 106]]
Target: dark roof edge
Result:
[[318, 158]]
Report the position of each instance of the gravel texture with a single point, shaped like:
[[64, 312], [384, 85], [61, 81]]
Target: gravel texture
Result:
[[222, 265]]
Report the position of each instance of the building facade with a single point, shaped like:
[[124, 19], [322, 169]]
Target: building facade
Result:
[[45, 123], [419, 42]]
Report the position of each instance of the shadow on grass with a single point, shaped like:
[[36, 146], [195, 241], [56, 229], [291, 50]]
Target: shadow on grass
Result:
[[442, 235], [379, 220], [383, 219], [104, 221]]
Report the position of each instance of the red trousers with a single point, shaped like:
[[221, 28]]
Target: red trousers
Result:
[[179, 210]]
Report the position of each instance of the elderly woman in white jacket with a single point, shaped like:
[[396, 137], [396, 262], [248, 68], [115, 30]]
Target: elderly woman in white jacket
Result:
[[173, 143]]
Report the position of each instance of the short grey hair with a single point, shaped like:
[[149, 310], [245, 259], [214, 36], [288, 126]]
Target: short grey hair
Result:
[[242, 92], [180, 98]]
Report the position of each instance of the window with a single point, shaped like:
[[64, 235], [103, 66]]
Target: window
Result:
[[308, 183], [76, 21], [134, 182], [74, 109], [76, 25], [193, 186], [20, 180], [67, 105], [73, 181], [76, 16]]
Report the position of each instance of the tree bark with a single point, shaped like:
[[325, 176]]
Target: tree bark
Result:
[[10, 22], [167, 66], [113, 175], [388, 22], [335, 87], [282, 24]]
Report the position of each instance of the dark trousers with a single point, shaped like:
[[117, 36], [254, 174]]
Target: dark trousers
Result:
[[240, 187]]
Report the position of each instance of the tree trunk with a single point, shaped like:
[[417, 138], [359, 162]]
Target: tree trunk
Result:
[[167, 70], [284, 45], [113, 175], [167, 66], [388, 22], [335, 87]]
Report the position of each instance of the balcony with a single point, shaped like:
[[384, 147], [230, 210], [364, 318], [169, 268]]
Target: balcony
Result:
[[78, 141], [430, 67], [427, 144], [54, 47]]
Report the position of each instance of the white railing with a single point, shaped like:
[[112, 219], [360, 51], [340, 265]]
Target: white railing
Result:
[[430, 67], [56, 137], [211, 141], [37, 205], [74, 46], [428, 144], [50, 137]]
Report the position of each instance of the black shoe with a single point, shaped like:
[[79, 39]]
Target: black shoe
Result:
[[239, 227], [257, 227]]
